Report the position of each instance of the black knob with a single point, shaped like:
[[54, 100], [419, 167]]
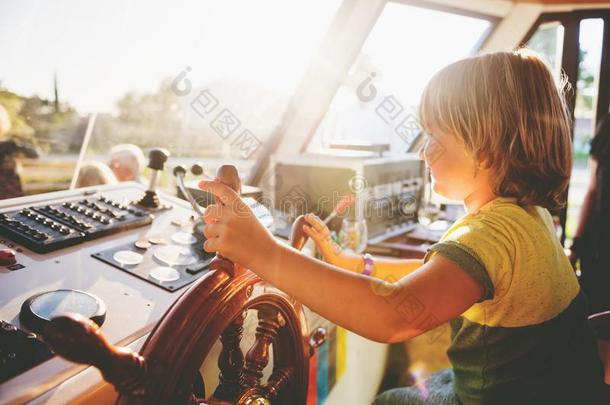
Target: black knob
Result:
[[179, 170], [157, 158], [197, 169]]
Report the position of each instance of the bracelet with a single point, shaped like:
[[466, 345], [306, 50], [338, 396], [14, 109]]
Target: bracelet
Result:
[[369, 264]]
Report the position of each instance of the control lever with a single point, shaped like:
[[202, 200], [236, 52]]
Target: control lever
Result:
[[157, 158], [179, 173], [298, 238], [227, 174], [261, 212]]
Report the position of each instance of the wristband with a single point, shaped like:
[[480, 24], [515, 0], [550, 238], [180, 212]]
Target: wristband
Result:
[[369, 264]]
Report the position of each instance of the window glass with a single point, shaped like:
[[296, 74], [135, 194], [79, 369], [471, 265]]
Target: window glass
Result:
[[376, 102], [206, 79], [590, 39], [548, 42]]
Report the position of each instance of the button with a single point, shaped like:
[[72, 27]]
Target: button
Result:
[[143, 244], [7, 257], [157, 241], [163, 273]]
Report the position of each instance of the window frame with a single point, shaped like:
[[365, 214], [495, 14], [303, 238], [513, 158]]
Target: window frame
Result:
[[570, 60]]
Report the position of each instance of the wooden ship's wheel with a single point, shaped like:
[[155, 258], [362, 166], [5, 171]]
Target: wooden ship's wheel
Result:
[[214, 308]]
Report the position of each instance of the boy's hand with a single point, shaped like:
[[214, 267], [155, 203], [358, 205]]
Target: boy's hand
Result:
[[319, 232], [233, 230]]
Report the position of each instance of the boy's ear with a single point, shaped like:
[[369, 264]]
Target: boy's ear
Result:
[[484, 163]]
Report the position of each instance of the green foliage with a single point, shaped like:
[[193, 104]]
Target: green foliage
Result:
[[35, 121], [19, 127]]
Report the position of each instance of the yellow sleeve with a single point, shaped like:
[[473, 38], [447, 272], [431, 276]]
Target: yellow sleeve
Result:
[[480, 247]]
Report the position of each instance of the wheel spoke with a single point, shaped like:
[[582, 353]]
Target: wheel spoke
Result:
[[230, 360], [279, 380], [257, 358]]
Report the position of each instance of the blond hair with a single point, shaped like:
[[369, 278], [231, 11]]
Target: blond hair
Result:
[[512, 117]]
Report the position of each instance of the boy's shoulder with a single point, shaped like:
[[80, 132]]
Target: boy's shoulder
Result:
[[504, 214]]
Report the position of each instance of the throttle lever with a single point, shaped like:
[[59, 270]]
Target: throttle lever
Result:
[[179, 173]]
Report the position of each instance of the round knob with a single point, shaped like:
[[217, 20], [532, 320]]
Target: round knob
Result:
[[316, 339], [227, 174], [297, 235], [157, 158], [179, 170], [197, 169]]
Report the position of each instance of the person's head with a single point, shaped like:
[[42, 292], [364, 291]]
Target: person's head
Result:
[[498, 120], [600, 145], [126, 161], [94, 174]]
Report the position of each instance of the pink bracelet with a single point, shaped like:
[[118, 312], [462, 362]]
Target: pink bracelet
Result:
[[369, 264]]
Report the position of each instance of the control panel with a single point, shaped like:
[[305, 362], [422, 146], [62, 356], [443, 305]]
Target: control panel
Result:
[[96, 241], [386, 190], [45, 228]]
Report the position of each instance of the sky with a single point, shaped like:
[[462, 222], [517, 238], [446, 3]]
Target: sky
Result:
[[102, 49]]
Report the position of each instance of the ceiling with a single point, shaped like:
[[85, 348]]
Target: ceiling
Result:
[[561, 1]]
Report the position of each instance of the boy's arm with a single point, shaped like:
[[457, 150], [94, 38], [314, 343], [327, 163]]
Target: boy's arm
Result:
[[379, 310], [385, 268], [383, 311]]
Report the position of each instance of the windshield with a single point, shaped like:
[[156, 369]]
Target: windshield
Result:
[[206, 80]]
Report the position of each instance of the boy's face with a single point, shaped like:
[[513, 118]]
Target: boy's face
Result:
[[453, 170]]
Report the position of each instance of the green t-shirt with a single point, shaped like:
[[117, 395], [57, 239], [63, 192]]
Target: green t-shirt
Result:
[[527, 340]]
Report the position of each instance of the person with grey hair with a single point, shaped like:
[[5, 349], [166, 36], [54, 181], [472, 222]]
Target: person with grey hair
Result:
[[126, 160], [94, 174]]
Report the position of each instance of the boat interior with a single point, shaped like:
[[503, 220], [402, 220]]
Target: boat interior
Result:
[[113, 112]]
